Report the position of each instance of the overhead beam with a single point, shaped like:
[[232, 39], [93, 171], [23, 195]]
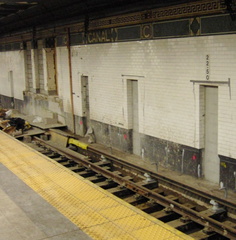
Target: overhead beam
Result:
[[15, 6]]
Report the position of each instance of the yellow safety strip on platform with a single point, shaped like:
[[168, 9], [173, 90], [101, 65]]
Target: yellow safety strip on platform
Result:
[[77, 143], [95, 211]]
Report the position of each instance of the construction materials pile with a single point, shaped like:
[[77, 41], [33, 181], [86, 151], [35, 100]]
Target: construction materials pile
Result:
[[11, 125]]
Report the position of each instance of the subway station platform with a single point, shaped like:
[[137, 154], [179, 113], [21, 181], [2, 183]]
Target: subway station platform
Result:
[[40, 199]]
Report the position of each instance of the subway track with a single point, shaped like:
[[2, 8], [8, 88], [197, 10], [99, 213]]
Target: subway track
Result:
[[182, 207]]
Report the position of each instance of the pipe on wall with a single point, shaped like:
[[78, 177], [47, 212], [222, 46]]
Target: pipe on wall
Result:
[[71, 83]]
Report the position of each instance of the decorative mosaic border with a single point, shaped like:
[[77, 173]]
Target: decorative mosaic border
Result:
[[198, 26], [206, 17], [179, 11]]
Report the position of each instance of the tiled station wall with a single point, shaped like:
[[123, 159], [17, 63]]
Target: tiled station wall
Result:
[[169, 104]]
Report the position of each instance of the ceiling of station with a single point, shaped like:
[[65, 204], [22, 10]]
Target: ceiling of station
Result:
[[20, 15], [9, 7]]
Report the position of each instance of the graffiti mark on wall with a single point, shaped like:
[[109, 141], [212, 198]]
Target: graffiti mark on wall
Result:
[[207, 67]]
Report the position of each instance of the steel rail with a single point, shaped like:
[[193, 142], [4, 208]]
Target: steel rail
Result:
[[206, 221], [164, 179]]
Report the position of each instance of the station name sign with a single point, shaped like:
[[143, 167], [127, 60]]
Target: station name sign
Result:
[[101, 36]]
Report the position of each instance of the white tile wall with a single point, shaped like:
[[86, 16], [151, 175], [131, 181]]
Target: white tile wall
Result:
[[169, 104], [29, 81], [76, 76], [41, 63]]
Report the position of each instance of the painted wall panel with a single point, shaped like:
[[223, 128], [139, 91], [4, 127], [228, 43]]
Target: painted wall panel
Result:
[[63, 77], [12, 61]]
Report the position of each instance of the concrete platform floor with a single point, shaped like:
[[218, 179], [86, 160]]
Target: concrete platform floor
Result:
[[95, 211], [24, 215]]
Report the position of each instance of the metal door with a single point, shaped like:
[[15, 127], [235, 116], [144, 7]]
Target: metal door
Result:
[[85, 101], [211, 158], [135, 117]]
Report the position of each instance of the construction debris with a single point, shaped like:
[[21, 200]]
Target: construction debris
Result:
[[12, 125], [4, 124], [90, 135]]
